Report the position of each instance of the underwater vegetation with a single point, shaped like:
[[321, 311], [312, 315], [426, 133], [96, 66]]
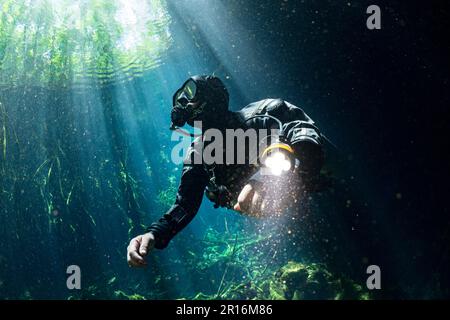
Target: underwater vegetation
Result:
[[64, 190], [247, 275], [237, 274], [297, 281], [71, 196], [84, 167], [45, 42]]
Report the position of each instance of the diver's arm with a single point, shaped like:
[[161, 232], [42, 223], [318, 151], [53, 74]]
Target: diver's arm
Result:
[[301, 133], [306, 141], [258, 198], [187, 203]]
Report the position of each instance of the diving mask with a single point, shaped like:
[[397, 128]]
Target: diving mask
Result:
[[186, 105]]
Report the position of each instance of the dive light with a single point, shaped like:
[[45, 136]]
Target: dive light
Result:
[[279, 156]]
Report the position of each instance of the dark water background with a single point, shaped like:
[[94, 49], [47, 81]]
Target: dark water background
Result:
[[86, 167]]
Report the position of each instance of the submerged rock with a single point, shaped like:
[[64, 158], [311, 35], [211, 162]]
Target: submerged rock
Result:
[[298, 281], [294, 281]]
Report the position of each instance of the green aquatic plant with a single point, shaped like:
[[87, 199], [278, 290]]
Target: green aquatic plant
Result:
[[293, 281], [64, 41], [166, 197], [119, 294], [232, 262], [242, 269], [131, 191]]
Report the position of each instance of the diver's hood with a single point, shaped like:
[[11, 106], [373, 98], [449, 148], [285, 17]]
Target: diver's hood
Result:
[[201, 98], [214, 95], [210, 89]]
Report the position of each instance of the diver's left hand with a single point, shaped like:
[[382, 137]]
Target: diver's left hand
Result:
[[250, 201], [269, 195], [260, 201]]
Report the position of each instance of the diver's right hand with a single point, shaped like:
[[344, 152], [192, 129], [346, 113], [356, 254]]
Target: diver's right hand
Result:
[[138, 248]]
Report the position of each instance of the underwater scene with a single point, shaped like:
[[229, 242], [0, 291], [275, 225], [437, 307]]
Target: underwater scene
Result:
[[87, 157]]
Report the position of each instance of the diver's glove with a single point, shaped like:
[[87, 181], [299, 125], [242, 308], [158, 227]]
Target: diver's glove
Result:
[[266, 194]]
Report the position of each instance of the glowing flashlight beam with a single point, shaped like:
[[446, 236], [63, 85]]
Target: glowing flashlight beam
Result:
[[278, 163]]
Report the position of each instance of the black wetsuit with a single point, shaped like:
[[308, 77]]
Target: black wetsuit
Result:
[[301, 133]]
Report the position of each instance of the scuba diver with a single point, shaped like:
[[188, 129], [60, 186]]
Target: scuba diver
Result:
[[244, 187]]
